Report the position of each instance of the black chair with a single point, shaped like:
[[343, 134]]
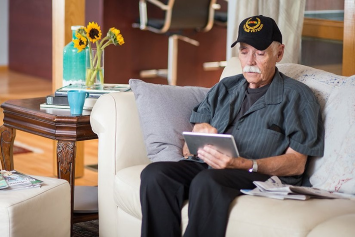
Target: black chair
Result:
[[220, 19], [220, 16], [179, 15]]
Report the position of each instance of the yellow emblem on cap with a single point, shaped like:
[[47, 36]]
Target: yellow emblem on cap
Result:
[[257, 25]]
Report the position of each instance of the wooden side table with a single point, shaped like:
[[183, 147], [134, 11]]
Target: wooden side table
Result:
[[26, 115]]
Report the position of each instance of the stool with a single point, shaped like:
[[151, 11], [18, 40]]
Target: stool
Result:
[[35, 212]]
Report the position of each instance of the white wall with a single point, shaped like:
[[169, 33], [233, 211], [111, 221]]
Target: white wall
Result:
[[4, 32]]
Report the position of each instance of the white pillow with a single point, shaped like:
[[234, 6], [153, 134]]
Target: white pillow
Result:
[[164, 113], [335, 171]]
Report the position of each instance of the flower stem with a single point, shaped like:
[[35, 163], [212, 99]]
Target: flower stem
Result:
[[102, 41], [98, 65], [107, 44], [90, 53]]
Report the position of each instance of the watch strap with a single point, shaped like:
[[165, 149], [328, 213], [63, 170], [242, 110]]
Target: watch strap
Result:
[[255, 166]]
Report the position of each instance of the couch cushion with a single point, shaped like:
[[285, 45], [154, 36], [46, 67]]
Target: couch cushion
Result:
[[320, 82], [338, 226], [249, 216], [335, 170], [164, 113]]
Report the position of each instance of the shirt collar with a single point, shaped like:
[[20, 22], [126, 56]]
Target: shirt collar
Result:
[[274, 94]]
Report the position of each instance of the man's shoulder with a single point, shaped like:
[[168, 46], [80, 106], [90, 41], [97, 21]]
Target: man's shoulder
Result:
[[232, 80], [295, 86]]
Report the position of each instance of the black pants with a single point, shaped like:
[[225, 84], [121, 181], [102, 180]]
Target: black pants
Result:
[[165, 186]]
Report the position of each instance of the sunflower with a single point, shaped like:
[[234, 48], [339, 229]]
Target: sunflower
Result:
[[80, 43], [115, 36], [93, 32], [81, 31]]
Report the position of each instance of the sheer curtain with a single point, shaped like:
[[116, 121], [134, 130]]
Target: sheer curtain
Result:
[[288, 14]]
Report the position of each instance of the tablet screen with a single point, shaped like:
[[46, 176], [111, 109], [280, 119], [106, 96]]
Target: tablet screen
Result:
[[224, 143]]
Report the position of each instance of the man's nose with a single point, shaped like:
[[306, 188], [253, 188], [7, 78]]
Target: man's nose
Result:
[[251, 59]]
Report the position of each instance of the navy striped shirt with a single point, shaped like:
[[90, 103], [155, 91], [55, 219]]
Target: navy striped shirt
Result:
[[287, 115]]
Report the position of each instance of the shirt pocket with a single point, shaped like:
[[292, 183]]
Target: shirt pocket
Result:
[[273, 143]]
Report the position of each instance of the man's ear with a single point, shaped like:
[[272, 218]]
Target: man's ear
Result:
[[280, 52]]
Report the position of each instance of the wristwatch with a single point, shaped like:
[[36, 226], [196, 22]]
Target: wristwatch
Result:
[[255, 166]]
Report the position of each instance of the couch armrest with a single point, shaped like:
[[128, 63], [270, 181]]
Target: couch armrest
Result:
[[115, 120]]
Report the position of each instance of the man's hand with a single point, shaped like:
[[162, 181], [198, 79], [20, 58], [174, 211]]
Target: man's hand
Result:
[[214, 158], [199, 127], [290, 163], [218, 160], [204, 128]]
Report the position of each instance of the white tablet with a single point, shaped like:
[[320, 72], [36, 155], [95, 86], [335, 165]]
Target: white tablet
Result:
[[223, 142]]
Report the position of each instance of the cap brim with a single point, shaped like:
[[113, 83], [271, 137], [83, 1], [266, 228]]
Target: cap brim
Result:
[[256, 43]]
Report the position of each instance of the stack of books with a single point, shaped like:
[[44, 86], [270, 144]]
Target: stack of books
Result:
[[11, 180], [60, 98]]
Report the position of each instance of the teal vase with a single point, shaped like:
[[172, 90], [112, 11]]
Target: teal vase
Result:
[[73, 63]]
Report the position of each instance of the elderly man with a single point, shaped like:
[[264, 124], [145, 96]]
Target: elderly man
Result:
[[276, 123]]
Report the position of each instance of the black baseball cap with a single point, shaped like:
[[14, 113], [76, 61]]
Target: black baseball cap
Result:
[[259, 32]]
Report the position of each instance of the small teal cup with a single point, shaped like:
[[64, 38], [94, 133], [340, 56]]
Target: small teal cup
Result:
[[76, 99]]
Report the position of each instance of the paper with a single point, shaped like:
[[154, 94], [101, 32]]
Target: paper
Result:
[[274, 188]]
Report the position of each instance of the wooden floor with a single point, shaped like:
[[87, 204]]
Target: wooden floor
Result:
[[41, 162]]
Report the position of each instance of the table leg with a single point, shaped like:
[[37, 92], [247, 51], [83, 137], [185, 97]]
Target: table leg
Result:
[[66, 168], [7, 137]]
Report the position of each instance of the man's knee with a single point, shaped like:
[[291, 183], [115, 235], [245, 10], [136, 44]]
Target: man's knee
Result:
[[158, 172], [151, 172], [206, 179]]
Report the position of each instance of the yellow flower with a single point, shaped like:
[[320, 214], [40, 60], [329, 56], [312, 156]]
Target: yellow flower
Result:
[[115, 36], [80, 43], [81, 31], [93, 32]]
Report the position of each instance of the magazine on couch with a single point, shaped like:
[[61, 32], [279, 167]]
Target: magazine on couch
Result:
[[274, 188]]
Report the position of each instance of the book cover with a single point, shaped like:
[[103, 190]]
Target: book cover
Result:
[[65, 94], [96, 89], [3, 183], [57, 100], [17, 180], [88, 104]]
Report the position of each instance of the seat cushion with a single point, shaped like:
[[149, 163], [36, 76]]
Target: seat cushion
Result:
[[43, 211], [249, 216], [338, 226]]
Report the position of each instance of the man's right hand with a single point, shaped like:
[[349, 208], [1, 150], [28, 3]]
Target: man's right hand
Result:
[[199, 127], [204, 128]]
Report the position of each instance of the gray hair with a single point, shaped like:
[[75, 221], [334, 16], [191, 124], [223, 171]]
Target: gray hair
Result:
[[275, 47]]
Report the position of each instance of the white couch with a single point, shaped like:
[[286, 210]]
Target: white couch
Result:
[[123, 155]]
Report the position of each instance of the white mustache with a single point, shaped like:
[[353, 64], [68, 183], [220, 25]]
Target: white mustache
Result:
[[251, 69]]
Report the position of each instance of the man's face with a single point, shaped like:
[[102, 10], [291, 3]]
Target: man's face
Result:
[[259, 65]]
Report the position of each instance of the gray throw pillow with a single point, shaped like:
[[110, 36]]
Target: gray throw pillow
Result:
[[164, 113]]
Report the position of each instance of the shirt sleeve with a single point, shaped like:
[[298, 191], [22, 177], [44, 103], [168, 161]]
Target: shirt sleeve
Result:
[[306, 131], [203, 112]]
